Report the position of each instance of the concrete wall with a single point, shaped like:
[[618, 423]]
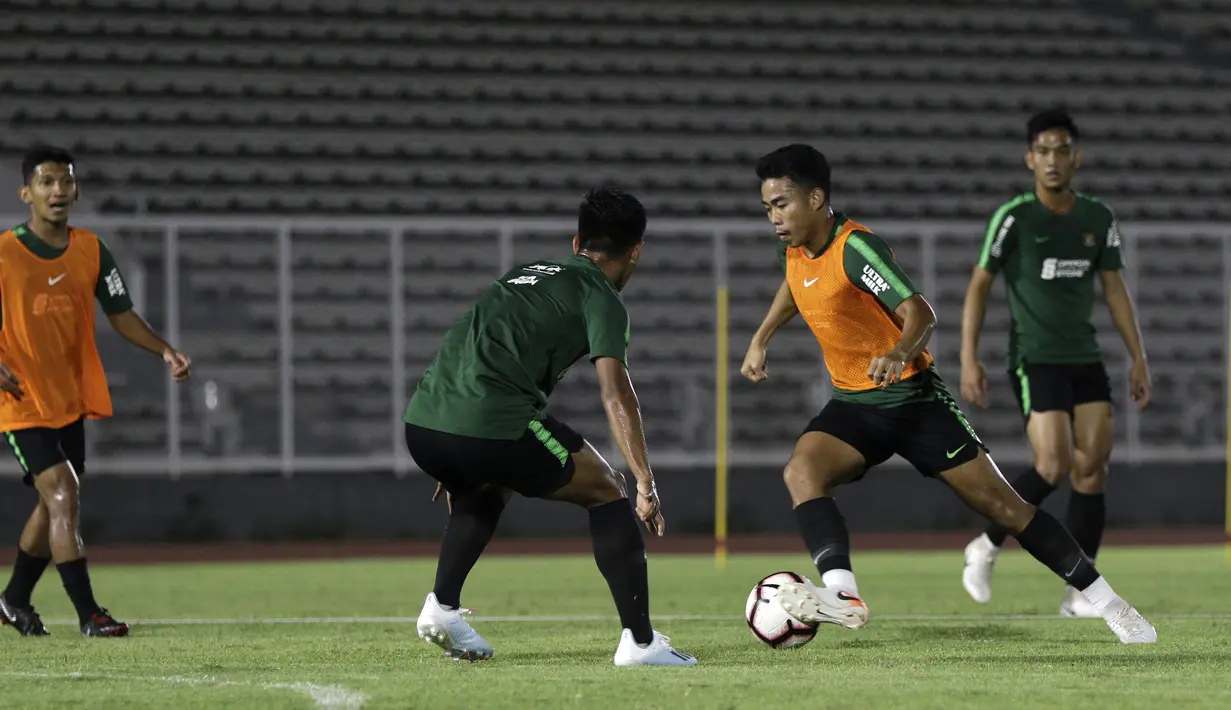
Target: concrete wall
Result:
[[375, 506]]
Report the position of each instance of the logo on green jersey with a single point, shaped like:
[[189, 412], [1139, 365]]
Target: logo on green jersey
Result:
[[1041, 240], [1064, 268], [524, 280]]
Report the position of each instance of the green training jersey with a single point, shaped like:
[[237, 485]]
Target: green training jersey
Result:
[[870, 266], [1049, 262], [501, 360]]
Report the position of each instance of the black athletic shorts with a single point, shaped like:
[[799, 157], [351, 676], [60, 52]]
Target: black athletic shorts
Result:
[[536, 465], [1059, 388], [933, 436], [39, 449]]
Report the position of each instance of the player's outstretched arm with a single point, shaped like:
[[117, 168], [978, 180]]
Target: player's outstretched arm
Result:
[[918, 322], [782, 310], [1124, 315], [135, 330], [624, 418], [974, 309]]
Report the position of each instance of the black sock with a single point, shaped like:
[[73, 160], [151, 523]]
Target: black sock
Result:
[[619, 552], [26, 572], [1033, 489], [77, 583], [824, 532], [471, 526], [1048, 542], [1086, 517]]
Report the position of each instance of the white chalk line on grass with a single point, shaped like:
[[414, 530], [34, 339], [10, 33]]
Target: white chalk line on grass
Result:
[[329, 697], [596, 617]]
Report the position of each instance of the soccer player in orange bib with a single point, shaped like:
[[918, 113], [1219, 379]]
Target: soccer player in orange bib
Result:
[[52, 379], [873, 326]]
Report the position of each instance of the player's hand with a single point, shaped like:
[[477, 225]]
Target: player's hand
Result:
[[649, 509], [440, 488], [974, 384], [180, 364], [754, 367], [1139, 384], [887, 369], [9, 382]]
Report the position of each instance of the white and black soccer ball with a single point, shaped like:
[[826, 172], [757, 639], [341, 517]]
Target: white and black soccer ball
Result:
[[769, 621]]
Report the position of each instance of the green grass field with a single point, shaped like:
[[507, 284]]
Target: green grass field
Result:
[[928, 646]]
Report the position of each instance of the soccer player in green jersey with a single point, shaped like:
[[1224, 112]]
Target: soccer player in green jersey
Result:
[[1049, 244], [476, 424]]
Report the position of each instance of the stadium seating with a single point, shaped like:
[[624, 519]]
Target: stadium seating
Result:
[[368, 107]]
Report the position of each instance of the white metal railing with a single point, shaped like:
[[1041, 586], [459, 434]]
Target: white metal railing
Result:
[[508, 247]]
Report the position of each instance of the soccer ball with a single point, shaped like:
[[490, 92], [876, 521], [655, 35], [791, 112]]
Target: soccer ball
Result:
[[769, 621]]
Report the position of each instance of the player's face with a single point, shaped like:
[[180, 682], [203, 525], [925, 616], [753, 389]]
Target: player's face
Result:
[[795, 212], [51, 192], [1054, 159]]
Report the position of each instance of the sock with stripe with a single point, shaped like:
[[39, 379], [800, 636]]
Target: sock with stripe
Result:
[[619, 552], [1033, 489], [472, 523], [829, 544], [1048, 542]]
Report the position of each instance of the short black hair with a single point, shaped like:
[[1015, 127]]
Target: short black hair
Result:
[[40, 154], [1048, 120], [801, 164], [610, 222]]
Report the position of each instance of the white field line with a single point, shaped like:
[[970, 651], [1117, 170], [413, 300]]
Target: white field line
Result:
[[595, 617], [328, 697]]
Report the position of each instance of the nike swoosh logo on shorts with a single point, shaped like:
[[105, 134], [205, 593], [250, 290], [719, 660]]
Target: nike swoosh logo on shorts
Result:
[[955, 452], [809, 282]]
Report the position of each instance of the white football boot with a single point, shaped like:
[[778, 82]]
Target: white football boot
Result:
[[447, 629], [1128, 623], [810, 604], [1076, 606], [977, 574], [656, 653]]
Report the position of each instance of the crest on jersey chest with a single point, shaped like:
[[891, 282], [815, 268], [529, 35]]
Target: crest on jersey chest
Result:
[[1088, 239]]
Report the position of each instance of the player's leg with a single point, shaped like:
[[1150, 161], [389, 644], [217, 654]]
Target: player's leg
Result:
[[1045, 399], [837, 447], [473, 517], [474, 511], [619, 549], [1087, 510], [33, 556], [979, 484], [35, 449]]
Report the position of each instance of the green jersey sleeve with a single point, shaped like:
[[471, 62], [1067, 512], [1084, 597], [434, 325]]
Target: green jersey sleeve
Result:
[[870, 266], [1109, 257], [782, 255], [607, 325], [1000, 240], [111, 291]]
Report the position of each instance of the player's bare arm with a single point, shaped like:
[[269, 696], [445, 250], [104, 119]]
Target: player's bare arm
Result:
[[974, 309], [624, 417], [9, 382], [781, 311], [918, 322], [135, 330], [1124, 315]]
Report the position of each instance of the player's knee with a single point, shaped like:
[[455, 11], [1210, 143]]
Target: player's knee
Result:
[[1053, 466], [803, 481], [1089, 475]]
